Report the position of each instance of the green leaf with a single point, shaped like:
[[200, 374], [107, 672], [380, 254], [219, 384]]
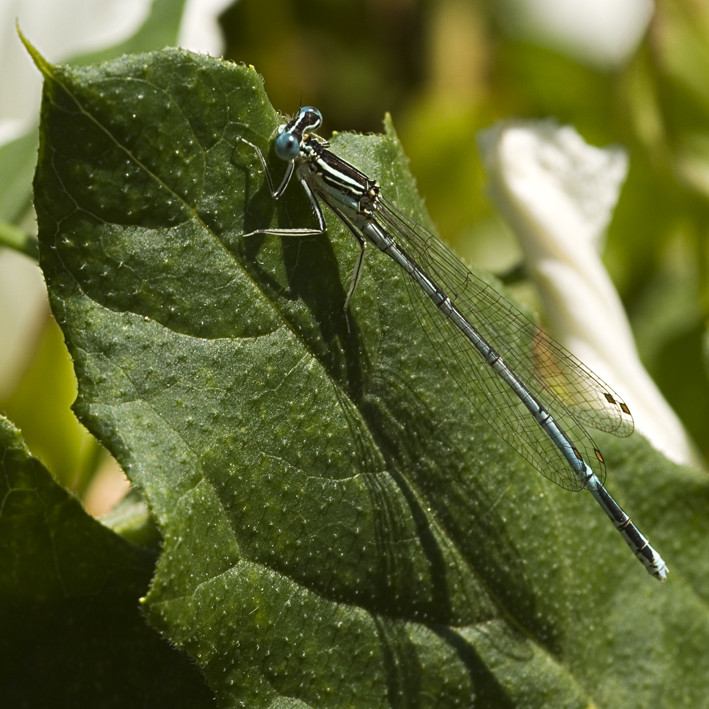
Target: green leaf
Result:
[[17, 159], [340, 528], [71, 632]]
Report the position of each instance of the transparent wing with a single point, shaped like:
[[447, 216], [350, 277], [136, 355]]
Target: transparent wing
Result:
[[571, 392]]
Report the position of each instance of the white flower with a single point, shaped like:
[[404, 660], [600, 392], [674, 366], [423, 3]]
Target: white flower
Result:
[[601, 33], [558, 194]]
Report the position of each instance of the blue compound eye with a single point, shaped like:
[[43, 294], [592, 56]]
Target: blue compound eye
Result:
[[287, 146]]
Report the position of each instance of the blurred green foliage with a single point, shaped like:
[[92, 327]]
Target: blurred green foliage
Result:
[[445, 69]]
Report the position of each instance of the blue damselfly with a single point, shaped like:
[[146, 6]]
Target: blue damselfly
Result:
[[533, 392]]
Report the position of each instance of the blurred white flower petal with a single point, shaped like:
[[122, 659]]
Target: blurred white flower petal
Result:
[[602, 33], [200, 30], [558, 194]]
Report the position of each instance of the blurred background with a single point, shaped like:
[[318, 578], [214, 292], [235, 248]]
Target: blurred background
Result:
[[634, 74]]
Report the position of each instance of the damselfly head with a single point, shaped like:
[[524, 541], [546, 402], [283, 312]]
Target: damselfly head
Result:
[[290, 136]]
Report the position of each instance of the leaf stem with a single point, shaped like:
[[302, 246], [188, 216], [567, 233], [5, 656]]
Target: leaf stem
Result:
[[18, 239]]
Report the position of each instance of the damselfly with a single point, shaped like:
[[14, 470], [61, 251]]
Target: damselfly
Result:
[[533, 392]]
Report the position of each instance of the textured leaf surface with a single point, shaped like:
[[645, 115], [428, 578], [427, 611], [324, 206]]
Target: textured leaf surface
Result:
[[339, 527], [71, 632]]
